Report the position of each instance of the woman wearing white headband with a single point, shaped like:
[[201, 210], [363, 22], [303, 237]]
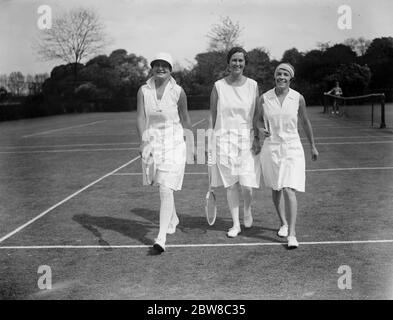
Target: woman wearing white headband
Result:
[[161, 115], [282, 155], [232, 104]]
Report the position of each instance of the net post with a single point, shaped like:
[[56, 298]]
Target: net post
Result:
[[383, 124], [325, 107]]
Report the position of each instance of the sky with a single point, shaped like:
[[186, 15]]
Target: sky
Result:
[[145, 27]]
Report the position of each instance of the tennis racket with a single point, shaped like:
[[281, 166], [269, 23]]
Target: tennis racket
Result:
[[148, 165], [211, 206]]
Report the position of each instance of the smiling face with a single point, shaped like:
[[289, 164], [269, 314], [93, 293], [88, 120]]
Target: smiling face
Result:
[[282, 79], [161, 70], [237, 63]]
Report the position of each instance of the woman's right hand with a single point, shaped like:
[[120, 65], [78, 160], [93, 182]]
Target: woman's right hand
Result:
[[314, 153], [265, 133], [142, 146]]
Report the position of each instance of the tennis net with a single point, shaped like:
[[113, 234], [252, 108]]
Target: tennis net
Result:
[[370, 107]]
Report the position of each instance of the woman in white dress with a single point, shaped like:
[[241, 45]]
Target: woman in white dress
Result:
[[232, 105], [282, 155], [161, 115]]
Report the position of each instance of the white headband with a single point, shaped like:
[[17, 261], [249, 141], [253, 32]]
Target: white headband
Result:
[[286, 67]]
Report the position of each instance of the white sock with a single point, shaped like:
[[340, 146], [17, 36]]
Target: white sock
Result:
[[174, 218], [247, 196], [233, 202], [166, 210]]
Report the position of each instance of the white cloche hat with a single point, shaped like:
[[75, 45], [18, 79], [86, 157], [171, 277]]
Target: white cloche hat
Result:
[[163, 56]]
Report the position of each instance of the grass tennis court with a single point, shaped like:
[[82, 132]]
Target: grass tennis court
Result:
[[72, 198]]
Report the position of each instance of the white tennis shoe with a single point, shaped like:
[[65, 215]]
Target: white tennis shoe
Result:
[[283, 231], [292, 242], [233, 232]]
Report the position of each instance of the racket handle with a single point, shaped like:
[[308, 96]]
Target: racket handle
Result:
[[209, 173]]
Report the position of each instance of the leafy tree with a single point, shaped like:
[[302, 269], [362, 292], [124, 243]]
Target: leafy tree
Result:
[[358, 45], [338, 54], [293, 56], [379, 58], [260, 68], [103, 78], [323, 46], [210, 67], [87, 91], [310, 69], [354, 79], [131, 70]]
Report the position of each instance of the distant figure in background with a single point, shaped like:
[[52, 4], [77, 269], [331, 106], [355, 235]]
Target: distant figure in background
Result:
[[336, 90]]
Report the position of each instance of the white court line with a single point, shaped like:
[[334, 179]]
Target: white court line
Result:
[[70, 197], [67, 150], [69, 145], [135, 143], [350, 169], [361, 128], [140, 173], [308, 170], [200, 245], [61, 129], [70, 135], [65, 200], [349, 137], [356, 142]]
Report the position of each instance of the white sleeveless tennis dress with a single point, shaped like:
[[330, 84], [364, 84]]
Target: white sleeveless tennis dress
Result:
[[165, 133], [235, 161], [282, 155]]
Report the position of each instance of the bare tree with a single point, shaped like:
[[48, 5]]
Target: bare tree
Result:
[[34, 83], [73, 37], [225, 35], [323, 46], [40, 77], [3, 80], [16, 83]]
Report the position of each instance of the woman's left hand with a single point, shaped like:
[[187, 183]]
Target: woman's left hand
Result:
[[191, 154], [314, 153]]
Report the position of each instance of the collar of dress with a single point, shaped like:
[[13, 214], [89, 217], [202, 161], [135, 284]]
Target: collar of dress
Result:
[[272, 94], [151, 84]]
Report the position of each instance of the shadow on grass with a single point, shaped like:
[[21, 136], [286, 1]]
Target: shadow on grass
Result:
[[137, 230], [195, 225]]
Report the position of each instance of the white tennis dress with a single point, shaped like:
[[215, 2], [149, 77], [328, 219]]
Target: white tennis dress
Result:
[[282, 155], [165, 134], [235, 161]]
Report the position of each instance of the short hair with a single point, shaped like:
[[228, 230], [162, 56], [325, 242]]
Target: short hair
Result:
[[235, 50]]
